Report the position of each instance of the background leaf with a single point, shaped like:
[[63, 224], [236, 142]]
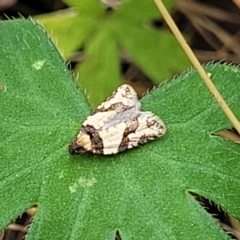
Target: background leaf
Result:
[[100, 70], [155, 61], [91, 7], [127, 28], [143, 192], [63, 27], [145, 10]]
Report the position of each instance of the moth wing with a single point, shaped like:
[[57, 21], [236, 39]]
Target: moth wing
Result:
[[123, 98], [116, 125], [121, 104], [131, 133], [150, 127], [112, 137]]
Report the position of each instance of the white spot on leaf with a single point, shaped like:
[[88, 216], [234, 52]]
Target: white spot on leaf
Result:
[[38, 64], [73, 188], [61, 175], [86, 182], [2, 87], [82, 182]]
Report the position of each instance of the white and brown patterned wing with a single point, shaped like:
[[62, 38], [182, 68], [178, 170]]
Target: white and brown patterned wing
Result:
[[116, 125], [114, 108], [150, 127], [123, 98], [131, 133], [119, 106]]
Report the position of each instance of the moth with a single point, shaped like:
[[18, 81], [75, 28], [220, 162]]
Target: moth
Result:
[[116, 125]]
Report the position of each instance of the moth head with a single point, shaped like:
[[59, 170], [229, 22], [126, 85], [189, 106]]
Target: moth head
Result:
[[80, 144]]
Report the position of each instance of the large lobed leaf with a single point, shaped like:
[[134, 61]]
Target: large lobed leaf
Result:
[[104, 36], [144, 192]]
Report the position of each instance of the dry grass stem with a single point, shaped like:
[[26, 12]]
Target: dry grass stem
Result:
[[197, 65]]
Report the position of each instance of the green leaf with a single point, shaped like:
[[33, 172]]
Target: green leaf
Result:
[[142, 192], [100, 73], [91, 7], [156, 53], [38, 106], [68, 29], [159, 59], [142, 10]]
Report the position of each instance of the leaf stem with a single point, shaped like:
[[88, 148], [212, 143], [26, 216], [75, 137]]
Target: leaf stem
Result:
[[197, 65]]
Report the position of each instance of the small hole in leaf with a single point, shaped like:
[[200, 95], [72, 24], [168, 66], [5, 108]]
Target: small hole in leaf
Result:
[[109, 9], [157, 23], [118, 237], [227, 222], [230, 134], [19, 228]]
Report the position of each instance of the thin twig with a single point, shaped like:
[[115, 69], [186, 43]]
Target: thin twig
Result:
[[195, 7], [237, 3], [197, 65], [205, 56]]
